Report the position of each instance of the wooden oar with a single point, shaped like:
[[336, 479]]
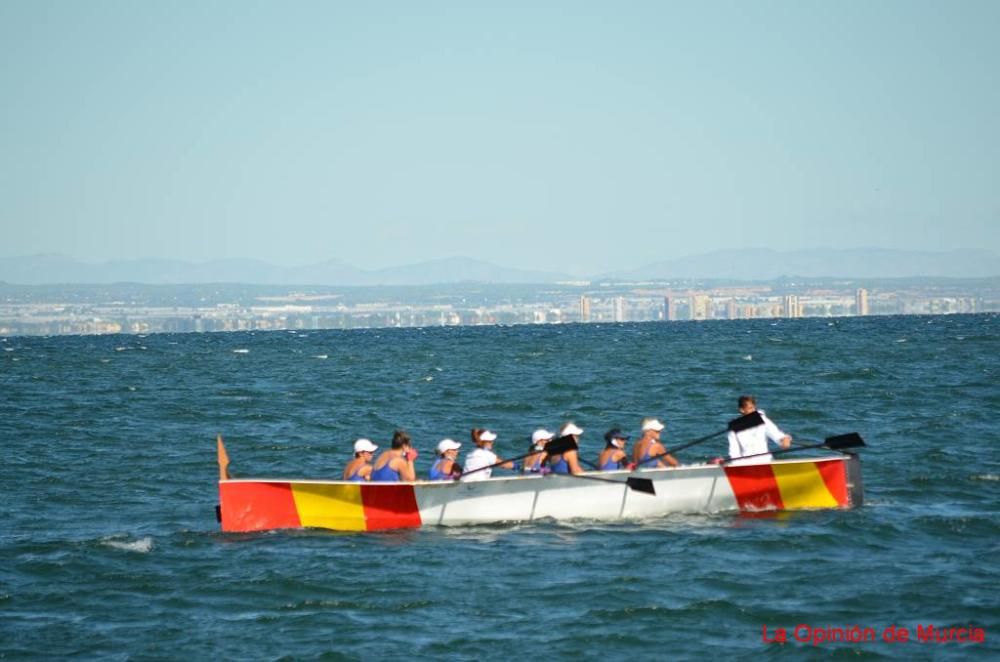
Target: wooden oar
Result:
[[835, 443], [740, 424]]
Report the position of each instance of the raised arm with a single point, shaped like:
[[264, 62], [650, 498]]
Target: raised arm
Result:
[[775, 434]]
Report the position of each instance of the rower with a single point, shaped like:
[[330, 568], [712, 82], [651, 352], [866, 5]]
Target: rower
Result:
[[649, 445], [396, 464], [360, 468], [482, 456], [567, 462], [613, 457], [535, 462], [446, 467], [754, 440]]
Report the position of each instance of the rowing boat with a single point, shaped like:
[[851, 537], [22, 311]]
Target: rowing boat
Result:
[[258, 504]]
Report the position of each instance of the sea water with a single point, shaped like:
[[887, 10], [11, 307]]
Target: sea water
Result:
[[109, 547]]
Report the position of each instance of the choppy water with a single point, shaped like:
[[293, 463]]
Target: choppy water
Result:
[[109, 546]]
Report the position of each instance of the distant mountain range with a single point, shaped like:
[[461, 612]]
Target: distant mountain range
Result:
[[745, 264], [54, 269]]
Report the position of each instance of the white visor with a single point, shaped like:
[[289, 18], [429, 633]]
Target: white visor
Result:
[[446, 445], [570, 428], [364, 445], [541, 434], [652, 424]]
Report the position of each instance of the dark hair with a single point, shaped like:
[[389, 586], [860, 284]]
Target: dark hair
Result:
[[475, 434], [400, 439], [747, 399]]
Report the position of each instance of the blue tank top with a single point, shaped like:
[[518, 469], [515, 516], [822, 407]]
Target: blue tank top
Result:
[[560, 467], [611, 465], [437, 474], [356, 477], [646, 454], [386, 473]]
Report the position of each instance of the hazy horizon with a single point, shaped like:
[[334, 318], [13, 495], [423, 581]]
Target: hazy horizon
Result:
[[572, 137]]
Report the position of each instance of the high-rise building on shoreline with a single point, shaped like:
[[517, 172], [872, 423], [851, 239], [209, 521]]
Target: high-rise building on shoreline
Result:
[[861, 302], [669, 308], [619, 309]]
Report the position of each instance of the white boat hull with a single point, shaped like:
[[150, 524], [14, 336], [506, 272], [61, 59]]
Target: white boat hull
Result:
[[261, 504]]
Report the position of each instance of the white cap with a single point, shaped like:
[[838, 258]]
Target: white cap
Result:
[[569, 428], [448, 445], [541, 434], [364, 445], [486, 435], [651, 424]]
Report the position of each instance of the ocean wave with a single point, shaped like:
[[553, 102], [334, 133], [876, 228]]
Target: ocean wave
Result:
[[142, 545]]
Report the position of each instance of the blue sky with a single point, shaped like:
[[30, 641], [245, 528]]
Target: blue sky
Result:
[[590, 136]]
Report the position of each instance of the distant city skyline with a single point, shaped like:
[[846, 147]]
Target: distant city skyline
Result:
[[141, 309], [579, 138]]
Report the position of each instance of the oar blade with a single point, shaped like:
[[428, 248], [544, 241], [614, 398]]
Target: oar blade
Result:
[[561, 445], [742, 423], [641, 485], [849, 440]]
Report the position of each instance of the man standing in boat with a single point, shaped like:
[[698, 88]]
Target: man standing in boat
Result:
[[649, 446], [753, 441]]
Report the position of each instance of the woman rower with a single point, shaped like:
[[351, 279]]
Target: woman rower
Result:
[[396, 464], [567, 462], [535, 463], [479, 464], [360, 468], [613, 457], [446, 467], [649, 446]]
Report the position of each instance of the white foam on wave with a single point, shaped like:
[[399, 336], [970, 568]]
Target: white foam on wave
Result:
[[241, 351], [986, 477], [8, 349], [320, 356], [748, 357], [142, 545], [901, 340]]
